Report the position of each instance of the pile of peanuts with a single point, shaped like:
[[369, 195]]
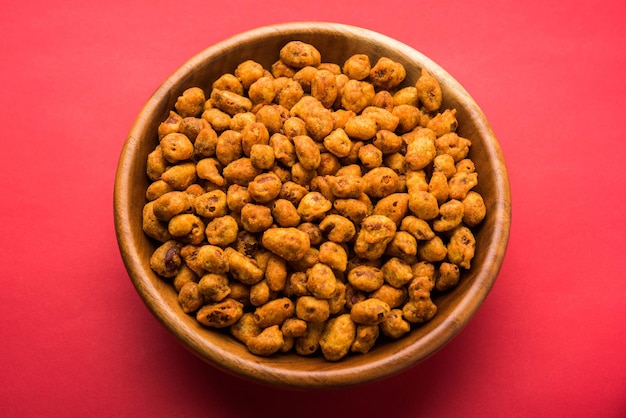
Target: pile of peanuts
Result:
[[312, 207]]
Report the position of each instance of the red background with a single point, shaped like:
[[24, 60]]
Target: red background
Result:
[[76, 339]]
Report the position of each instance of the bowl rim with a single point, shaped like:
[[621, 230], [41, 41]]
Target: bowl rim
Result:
[[260, 371]]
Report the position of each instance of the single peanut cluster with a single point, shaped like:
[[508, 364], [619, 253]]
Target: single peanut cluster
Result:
[[311, 206]]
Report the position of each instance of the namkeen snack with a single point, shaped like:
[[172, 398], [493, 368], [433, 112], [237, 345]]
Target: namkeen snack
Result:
[[312, 207]]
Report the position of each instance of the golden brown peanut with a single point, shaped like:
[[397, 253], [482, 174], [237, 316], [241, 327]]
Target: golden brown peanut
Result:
[[337, 228], [230, 102], [190, 127], [318, 119], [365, 338], [369, 312], [461, 183], [248, 72], [324, 87], [387, 74], [301, 175], [288, 243], [337, 338], [309, 260], [152, 226], [421, 148], [346, 186], [387, 141], [221, 314], [299, 54], [407, 95], [184, 276], [252, 134], [438, 187], [372, 239], [329, 165], [444, 163], [189, 298], [357, 67], [156, 164], [423, 205], [313, 232], [186, 228], [313, 206], [444, 122], [396, 272], [191, 102], [219, 121], [461, 247], [276, 273], [171, 204], [267, 342], [380, 182], [166, 259], [157, 189], [211, 205], [395, 326], [274, 312], [333, 255], [403, 245], [242, 268], [288, 94], [454, 145], [432, 250], [169, 125], [229, 147], [240, 171], [228, 82], [309, 343], [293, 327], [284, 149], [176, 147], [420, 310], [237, 197], [451, 216], [245, 328], [392, 296], [361, 127], [205, 144], [214, 287], [408, 117], [212, 259], [465, 165], [429, 91], [321, 281], [353, 209], [265, 187], [312, 309], [366, 278], [304, 76], [474, 209], [337, 302], [394, 207], [356, 95], [296, 284], [447, 277], [338, 143], [222, 231], [272, 116], [256, 218], [180, 176], [210, 169], [307, 152], [285, 213], [370, 156], [262, 91], [418, 228], [292, 192]]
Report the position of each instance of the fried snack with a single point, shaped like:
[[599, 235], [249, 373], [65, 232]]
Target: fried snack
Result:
[[312, 206]]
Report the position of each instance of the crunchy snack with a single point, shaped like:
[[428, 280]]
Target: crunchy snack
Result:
[[313, 207]]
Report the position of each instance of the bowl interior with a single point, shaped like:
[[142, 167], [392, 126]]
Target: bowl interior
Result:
[[336, 43]]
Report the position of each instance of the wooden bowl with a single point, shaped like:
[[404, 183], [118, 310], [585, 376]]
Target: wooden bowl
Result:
[[336, 42]]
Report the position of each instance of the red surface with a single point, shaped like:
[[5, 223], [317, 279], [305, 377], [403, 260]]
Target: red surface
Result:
[[77, 341]]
